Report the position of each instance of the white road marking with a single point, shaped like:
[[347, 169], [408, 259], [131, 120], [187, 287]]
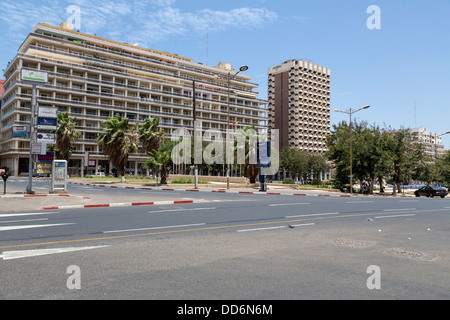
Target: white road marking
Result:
[[278, 227], [32, 226], [24, 214], [176, 210], [408, 209], [396, 216], [302, 225], [360, 201], [287, 204], [28, 220], [9, 255], [157, 192], [313, 214], [157, 228], [260, 229]]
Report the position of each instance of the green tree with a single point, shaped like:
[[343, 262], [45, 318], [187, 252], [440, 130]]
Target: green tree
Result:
[[150, 135], [367, 153], [338, 145], [424, 166], [400, 147], [66, 136], [251, 171], [384, 166], [443, 165], [295, 162], [161, 158], [118, 140], [301, 164], [317, 164]]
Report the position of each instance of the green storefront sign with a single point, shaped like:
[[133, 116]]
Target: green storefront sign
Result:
[[34, 76]]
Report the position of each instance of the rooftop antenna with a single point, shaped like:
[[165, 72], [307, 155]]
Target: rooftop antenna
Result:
[[207, 44]]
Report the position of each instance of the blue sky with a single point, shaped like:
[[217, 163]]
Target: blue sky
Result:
[[405, 61]]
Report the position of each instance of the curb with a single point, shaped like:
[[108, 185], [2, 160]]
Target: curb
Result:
[[155, 203], [242, 192], [34, 195], [124, 204]]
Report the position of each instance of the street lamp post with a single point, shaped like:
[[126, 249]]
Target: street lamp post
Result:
[[229, 78], [33, 78], [195, 133], [350, 112], [29, 189]]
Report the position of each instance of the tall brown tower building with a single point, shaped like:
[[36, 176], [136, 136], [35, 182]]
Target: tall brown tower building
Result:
[[299, 104]]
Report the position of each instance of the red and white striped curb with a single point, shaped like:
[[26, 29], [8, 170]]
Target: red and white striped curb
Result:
[[124, 204], [242, 192], [27, 195], [39, 195]]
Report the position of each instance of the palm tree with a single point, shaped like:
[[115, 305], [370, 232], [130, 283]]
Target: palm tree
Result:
[[118, 141], [149, 135], [251, 171], [161, 158], [66, 135]]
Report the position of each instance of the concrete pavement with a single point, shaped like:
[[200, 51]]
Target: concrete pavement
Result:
[[84, 194]]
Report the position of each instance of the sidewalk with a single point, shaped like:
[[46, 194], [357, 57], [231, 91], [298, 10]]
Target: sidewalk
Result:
[[223, 186], [16, 200], [235, 189]]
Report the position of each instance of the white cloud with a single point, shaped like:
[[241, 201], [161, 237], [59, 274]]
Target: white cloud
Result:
[[144, 21], [163, 3], [247, 18], [172, 21], [19, 16]]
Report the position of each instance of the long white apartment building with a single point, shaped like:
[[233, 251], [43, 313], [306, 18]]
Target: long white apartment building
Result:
[[93, 78]]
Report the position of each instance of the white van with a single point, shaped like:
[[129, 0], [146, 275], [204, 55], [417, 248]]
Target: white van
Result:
[[99, 174]]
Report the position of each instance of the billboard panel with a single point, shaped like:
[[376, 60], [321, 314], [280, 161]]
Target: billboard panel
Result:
[[47, 123]]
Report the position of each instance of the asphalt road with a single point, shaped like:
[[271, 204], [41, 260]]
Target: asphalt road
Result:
[[229, 246]]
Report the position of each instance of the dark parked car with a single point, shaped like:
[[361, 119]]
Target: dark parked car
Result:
[[429, 191]]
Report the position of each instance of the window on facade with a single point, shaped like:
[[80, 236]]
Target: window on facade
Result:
[[76, 110]]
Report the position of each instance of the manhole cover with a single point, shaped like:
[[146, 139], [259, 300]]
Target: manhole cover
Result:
[[405, 253], [410, 254], [350, 243]]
